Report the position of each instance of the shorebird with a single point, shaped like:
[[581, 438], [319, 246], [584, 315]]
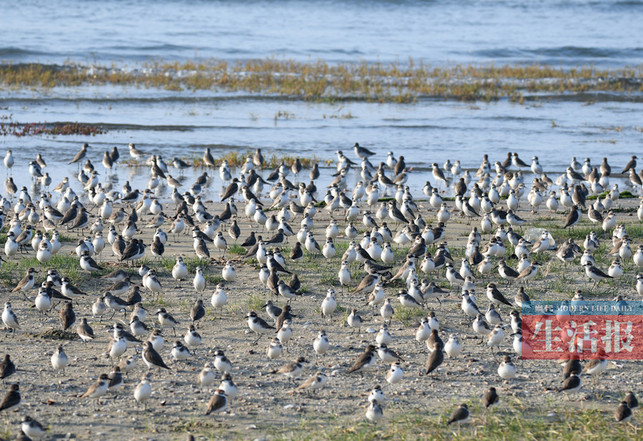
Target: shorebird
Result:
[[595, 274], [364, 362], [374, 412], [152, 358], [313, 383], [9, 318], [81, 154], [292, 370], [98, 389], [623, 413], [12, 399], [495, 296], [218, 402], [490, 398], [32, 428], [571, 384], [143, 391], [7, 367], [460, 415], [258, 325]]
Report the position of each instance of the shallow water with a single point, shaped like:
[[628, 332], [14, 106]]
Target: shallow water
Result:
[[425, 132], [548, 31]]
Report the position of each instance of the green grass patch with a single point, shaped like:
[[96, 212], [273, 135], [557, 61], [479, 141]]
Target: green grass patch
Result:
[[236, 249], [506, 423], [68, 265], [255, 302], [213, 279], [408, 316]]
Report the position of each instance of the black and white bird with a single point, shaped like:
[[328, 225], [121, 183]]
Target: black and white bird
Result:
[[468, 305], [495, 296], [89, 264], [258, 325], [180, 352], [506, 272], [387, 355], [374, 412], [32, 428], [221, 362], [152, 358], [9, 318], [362, 152], [166, 319], [573, 217], [595, 274], [506, 369]]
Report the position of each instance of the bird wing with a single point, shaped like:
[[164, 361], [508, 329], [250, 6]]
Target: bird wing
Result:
[[216, 402], [361, 361], [435, 359], [459, 414]]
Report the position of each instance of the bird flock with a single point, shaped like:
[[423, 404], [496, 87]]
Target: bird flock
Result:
[[357, 255]]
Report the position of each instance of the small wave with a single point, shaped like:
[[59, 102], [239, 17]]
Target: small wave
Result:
[[626, 4], [152, 47], [15, 52], [589, 52], [338, 51], [579, 52]]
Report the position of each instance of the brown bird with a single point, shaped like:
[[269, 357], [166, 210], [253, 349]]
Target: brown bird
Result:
[[631, 165], [367, 283], [460, 415], [12, 399], [491, 398], [27, 281], [623, 413], [81, 154], [283, 317], [291, 370], [273, 282], [7, 367], [152, 358], [218, 402], [434, 343], [67, 316], [98, 389], [435, 360], [197, 312], [571, 384], [313, 383], [84, 331], [365, 361], [631, 400]]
